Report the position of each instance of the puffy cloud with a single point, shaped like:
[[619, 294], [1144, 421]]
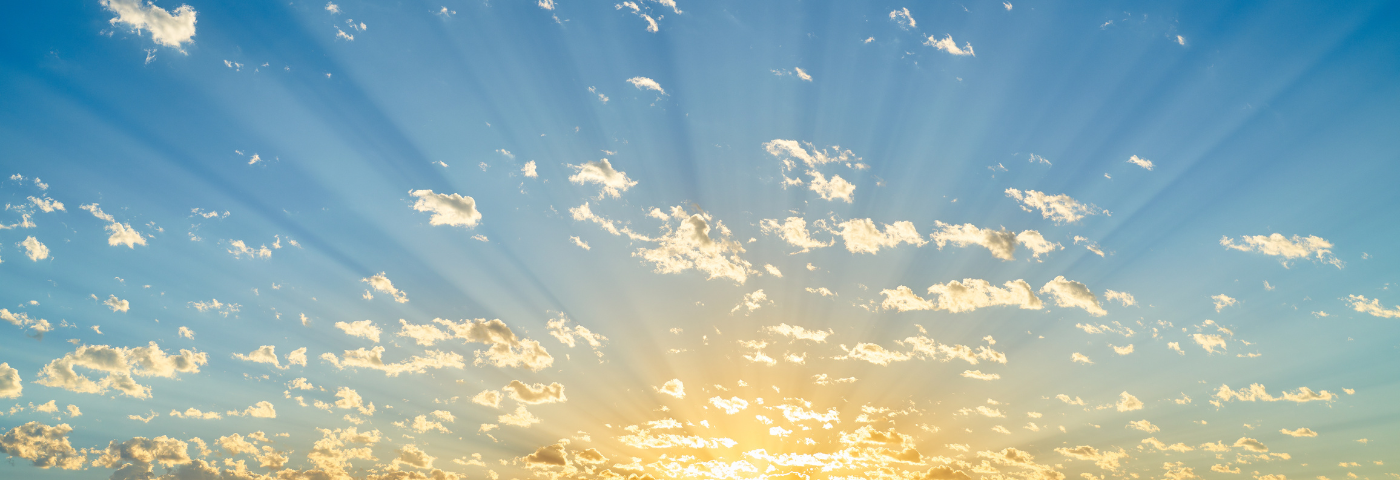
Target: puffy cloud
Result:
[[46, 204], [965, 296], [506, 350], [548, 455], [364, 329], [1002, 243], [195, 413], [835, 189], [448, 209], [297, 357], [262, 409], [731, 406], [422, 424], [1290, 249], [34, 249], [21, 319], [1209, 342], [166, 29], [238, 248], [489, 398], [799, 333], [43, 445], [752, 301], [1221, 301], [560, 330], [535, 394], [10, 384], [1105, 459], [1125, 298], [1072, 294], [862, 236], [948, 45], [119, 364], [978, 375], [902, 18], [1059, 208], [1127, 402], [873, 353], [1301, 432], [519, 418], [1256, 392], [529, 170], [673, 387], [410, 455], [1123, 350], [1160, 445], [1373, 307], [1251, 445], [374, 359], [264, 354], [689, 244], [1077, 357], [117, 305], [421, 334], [601, 172], [644, 83], [1143, 425], [380, 283], [122, 233], [1141, 162], [793, 230]]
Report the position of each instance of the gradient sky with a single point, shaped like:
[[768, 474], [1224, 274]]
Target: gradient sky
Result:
[[903, 241]]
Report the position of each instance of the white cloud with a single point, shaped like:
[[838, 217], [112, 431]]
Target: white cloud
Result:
[[690, 245], [559, 329], [519, 418], [1104, 459], [731, 406], [902, 18], [1128, 403], [601, 172], [582, 244], [1001, 243], [506, 350], [363, 329], [239, 249], [535, 394], [948, 45], [529, 170], [489, 398], [1290, 249], [43, 445], [263, 409], [793, 230], [1301, 432], [1072, 294], [752, 301], [374, 359], [978, 375], [1143, 425], [264, 354], [1059, 208], [673, 387], [799, 333], [10, 384], [644, 83], [1077, 357], [1256, 392], [34, 249], [381, 283], [1125, 298], [119, 364], [835, 189], [802, 74], [862, 236], [448, 209], [333, 8], [1141, 162], [117, 305], [547, 4], [1373, 307], [347, 398], [46, 204], [166, 29], [965, 296], [196, 413], [1221, 301]]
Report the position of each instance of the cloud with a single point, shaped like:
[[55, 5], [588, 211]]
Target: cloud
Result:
[[22, 320], [874, 354], [166, 29], [977, 374], [1301, 432], [1072, 294], [1290, 249], [1107, 460], [363, 329], [1002, 243], [799, 333], [948, 45], [752, 301], [117, 305], [262, 409], [601, 172], [1251, 444], [689, 245], [489, 398], [448, 209], [1128, 403], [43, 445], [381, 284], [965, 296], [793, 230], [1141, 162], [10, 384], [1059, 208], [1143, 425], [644, 83], [1373, 307], [195, 413], [1125, 298], [1160, 445], [560, 330], [46, 204], [862, 236], [673, 387], [264, 354], [1256, 392], [802, 74], [373, 359], [297, 357], [35, 250], [902, 18], [1222, 301], [731, 406], [1209, 342], [239, 249], [1077, 357], [505, 349], [119, 364], [122, 233], [547, 455], [835, 189], [529, 170], [535, 394], [519, 418]]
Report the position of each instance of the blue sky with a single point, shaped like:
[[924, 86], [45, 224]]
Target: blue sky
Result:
[[1022, 240]]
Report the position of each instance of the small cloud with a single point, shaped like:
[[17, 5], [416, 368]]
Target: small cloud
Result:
[[1141, 162], [644, 83]]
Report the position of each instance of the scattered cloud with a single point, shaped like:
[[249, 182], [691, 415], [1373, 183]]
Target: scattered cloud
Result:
[[1060, 208], [448, 209], [1290, 249], [948, 45], [644, 83], [601, 172], [171, 30], [1141, 162]]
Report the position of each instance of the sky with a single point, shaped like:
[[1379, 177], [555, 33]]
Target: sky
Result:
[[926, 240]]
